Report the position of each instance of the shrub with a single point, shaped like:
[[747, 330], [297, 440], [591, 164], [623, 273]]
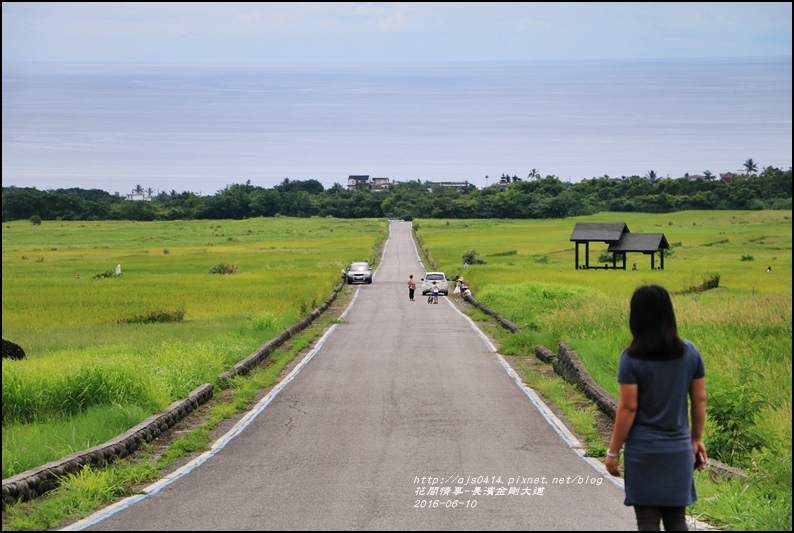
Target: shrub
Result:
[[224, 268], [35, 220], [471, 257], [156, 316], [748, 258], [607, 258], [735, 436]]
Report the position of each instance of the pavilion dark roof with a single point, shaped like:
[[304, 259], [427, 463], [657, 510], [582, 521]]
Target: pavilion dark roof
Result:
[[639, 242], [597, 231]]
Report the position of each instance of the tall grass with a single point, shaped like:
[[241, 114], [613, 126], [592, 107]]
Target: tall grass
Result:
[[104, 354], [82, 493], [29, 445]]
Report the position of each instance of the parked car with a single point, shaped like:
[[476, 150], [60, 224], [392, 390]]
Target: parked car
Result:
[[359, 272], [441, 280]]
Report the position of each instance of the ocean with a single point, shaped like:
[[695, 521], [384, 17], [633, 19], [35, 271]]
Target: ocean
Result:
[[200, 128]]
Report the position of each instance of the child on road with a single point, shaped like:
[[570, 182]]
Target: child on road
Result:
[[457, 290]]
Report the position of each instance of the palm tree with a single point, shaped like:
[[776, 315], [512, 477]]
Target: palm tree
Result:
[[651, 175], [138, 189], [751, 166], [149, 192], [708, 175], [533, 175]]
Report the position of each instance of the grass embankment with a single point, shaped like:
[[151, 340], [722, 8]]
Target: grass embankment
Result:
[[83, 493], [104, 353], [742, 328]]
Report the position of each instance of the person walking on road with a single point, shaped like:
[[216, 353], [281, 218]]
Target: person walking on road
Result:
[[435, 292], [411, 287], [658, 372], [457, 291]]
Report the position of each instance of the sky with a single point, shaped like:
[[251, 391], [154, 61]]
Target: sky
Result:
[[319, 33], [326, 32]]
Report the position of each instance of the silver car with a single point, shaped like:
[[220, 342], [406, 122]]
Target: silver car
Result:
[[441, 280], [359, 273]]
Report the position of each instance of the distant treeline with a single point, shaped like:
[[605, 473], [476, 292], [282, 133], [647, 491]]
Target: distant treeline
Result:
[[537, 198]]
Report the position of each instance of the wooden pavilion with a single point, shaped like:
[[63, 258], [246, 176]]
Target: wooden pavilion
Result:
[[646, 243], [620, 240]]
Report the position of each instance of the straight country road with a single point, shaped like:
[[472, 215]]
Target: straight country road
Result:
[[401, 417]]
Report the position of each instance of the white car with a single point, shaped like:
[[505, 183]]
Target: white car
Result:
[[441, 280], [359, 272]]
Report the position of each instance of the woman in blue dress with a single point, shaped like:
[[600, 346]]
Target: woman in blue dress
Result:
[[658, 373]]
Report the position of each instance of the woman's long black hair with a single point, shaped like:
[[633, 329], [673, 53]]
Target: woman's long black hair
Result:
[[653, 326]]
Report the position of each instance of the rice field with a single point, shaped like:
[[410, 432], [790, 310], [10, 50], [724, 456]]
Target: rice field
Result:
[[96, 368], [102, 353], [742, 327]]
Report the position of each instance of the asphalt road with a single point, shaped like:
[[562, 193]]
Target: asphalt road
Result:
[[402, 417]]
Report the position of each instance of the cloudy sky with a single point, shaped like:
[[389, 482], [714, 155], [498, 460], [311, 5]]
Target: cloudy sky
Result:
[[298, 32]]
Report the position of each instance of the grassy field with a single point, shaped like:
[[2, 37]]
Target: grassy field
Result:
[[742, 328], [102, 353], [97, 365]]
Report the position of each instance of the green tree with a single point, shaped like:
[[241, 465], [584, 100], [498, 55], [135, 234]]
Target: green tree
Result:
[[751, 167], [310, 186], [633, 187], [776, 183], [265, 203], [141, 211], [138, 189], [231, 202], [565, 204], [21, 203]]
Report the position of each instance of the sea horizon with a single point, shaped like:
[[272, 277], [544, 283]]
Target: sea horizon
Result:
[[200, 128]]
